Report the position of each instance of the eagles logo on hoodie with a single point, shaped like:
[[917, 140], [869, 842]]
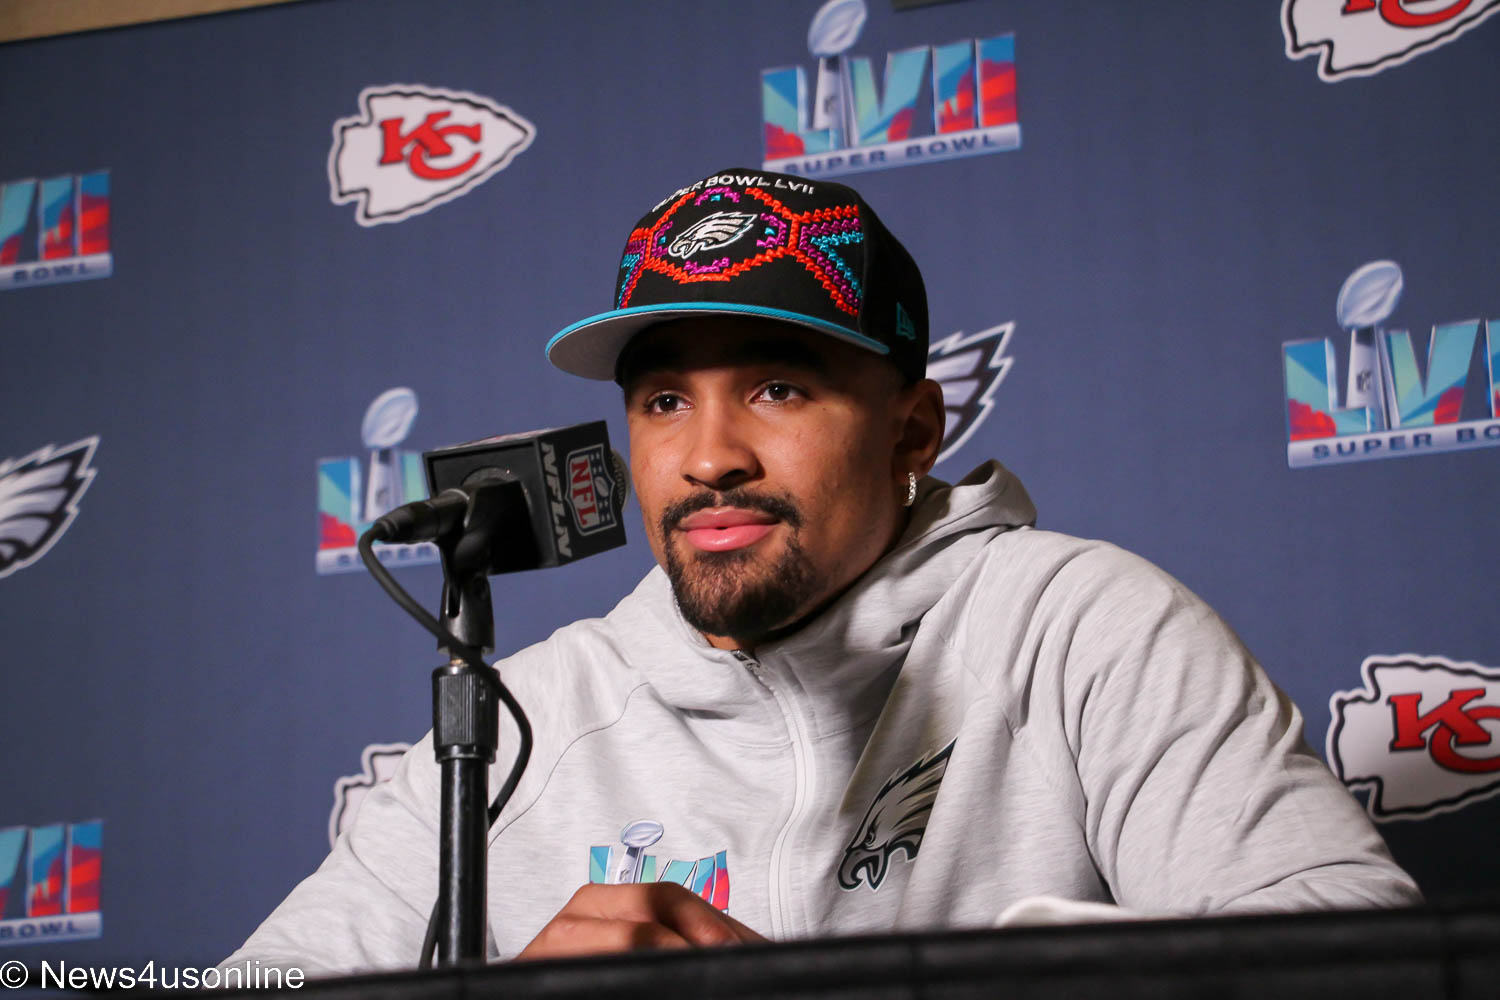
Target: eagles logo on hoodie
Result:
[[895, 821]]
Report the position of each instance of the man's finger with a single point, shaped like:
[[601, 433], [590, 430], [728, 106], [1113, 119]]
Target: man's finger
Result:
[[665, 903], [696, 919], [571, 936]]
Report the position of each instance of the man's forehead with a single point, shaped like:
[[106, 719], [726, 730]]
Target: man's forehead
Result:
[[689, 344]]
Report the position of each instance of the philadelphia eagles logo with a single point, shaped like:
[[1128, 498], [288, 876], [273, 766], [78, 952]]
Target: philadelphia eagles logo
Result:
[[969, 367], [39, 499], [895, 822], [711, 233]]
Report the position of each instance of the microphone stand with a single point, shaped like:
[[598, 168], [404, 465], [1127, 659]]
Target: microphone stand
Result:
[[496, 506], [465, 714]]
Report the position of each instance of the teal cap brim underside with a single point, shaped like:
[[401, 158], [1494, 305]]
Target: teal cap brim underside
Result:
[[591, 346]]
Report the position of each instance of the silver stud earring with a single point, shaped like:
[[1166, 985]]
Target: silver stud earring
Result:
[[911, 489]]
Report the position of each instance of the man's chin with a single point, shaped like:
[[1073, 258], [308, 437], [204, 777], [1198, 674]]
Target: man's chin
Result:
[[722, 582], [743, 593]]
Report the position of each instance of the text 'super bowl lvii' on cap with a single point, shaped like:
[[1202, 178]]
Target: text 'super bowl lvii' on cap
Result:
[[751, 243]]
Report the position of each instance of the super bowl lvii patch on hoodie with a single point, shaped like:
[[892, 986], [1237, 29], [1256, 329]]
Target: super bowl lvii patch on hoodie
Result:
[[707, 876]]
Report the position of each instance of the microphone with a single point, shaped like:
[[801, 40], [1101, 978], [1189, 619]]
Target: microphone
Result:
[[513, 502], [520, 501]]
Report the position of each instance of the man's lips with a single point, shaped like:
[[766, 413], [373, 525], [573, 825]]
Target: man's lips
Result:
[[720, 529]]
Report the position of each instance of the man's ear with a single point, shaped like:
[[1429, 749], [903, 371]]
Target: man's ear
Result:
[[920, 409]]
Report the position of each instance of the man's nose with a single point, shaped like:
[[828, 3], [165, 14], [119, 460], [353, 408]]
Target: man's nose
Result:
[[719, 455]]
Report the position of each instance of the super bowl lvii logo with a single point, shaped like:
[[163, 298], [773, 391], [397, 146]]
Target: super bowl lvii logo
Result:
[[353, 492], [1391, 409], [53, 230], [850, 124], [707, 876], [49, 882]]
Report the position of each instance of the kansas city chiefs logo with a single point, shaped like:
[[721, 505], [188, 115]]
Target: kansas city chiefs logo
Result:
[[39, 499], [1420, 735], [895, 821], [970, 367], [1363, 37], [377, 763], [412, 148]]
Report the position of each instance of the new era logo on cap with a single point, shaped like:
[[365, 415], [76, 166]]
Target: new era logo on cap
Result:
[[777, 246], [904, 326]]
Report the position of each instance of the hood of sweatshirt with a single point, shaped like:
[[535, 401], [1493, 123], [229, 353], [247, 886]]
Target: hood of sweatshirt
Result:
[[840, 664]]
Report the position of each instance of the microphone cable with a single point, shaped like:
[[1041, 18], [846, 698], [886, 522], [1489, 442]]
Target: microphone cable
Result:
[[469, 655]]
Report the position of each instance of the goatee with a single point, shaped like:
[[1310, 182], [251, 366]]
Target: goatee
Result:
[[736, 593]]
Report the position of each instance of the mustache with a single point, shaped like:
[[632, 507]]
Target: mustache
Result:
[[779, 506]]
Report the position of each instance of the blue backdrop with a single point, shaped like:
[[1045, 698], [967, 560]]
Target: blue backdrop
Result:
[[1170, 198]]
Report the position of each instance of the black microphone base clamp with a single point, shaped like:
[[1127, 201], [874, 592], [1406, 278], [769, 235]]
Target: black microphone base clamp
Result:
[[465, 735]]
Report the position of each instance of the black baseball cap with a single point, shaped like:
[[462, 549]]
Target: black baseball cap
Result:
[[748, 242]]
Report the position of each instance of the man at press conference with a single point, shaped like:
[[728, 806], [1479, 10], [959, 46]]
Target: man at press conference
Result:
[[851, 698]]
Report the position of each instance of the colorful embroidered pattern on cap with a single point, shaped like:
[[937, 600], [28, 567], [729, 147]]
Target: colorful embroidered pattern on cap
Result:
[[720, 233]]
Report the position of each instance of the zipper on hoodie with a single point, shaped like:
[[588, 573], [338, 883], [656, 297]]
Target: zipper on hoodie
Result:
[[780, 882]]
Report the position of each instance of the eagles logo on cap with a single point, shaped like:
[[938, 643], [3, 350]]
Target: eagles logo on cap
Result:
[[711, 233], [776, 246]]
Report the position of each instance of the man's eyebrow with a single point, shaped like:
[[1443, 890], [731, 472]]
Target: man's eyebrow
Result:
[[754, 351]]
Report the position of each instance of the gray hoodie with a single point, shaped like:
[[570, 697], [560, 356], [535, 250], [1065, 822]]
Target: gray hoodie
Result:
[[991, 713]]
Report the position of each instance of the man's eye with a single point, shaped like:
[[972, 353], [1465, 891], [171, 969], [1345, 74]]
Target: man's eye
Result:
[[779, 392], [663, 402]]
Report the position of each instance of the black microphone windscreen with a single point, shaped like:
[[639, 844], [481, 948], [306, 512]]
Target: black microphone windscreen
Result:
[[575, 485]]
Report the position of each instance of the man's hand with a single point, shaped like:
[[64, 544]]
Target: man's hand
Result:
[[606, 918]]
